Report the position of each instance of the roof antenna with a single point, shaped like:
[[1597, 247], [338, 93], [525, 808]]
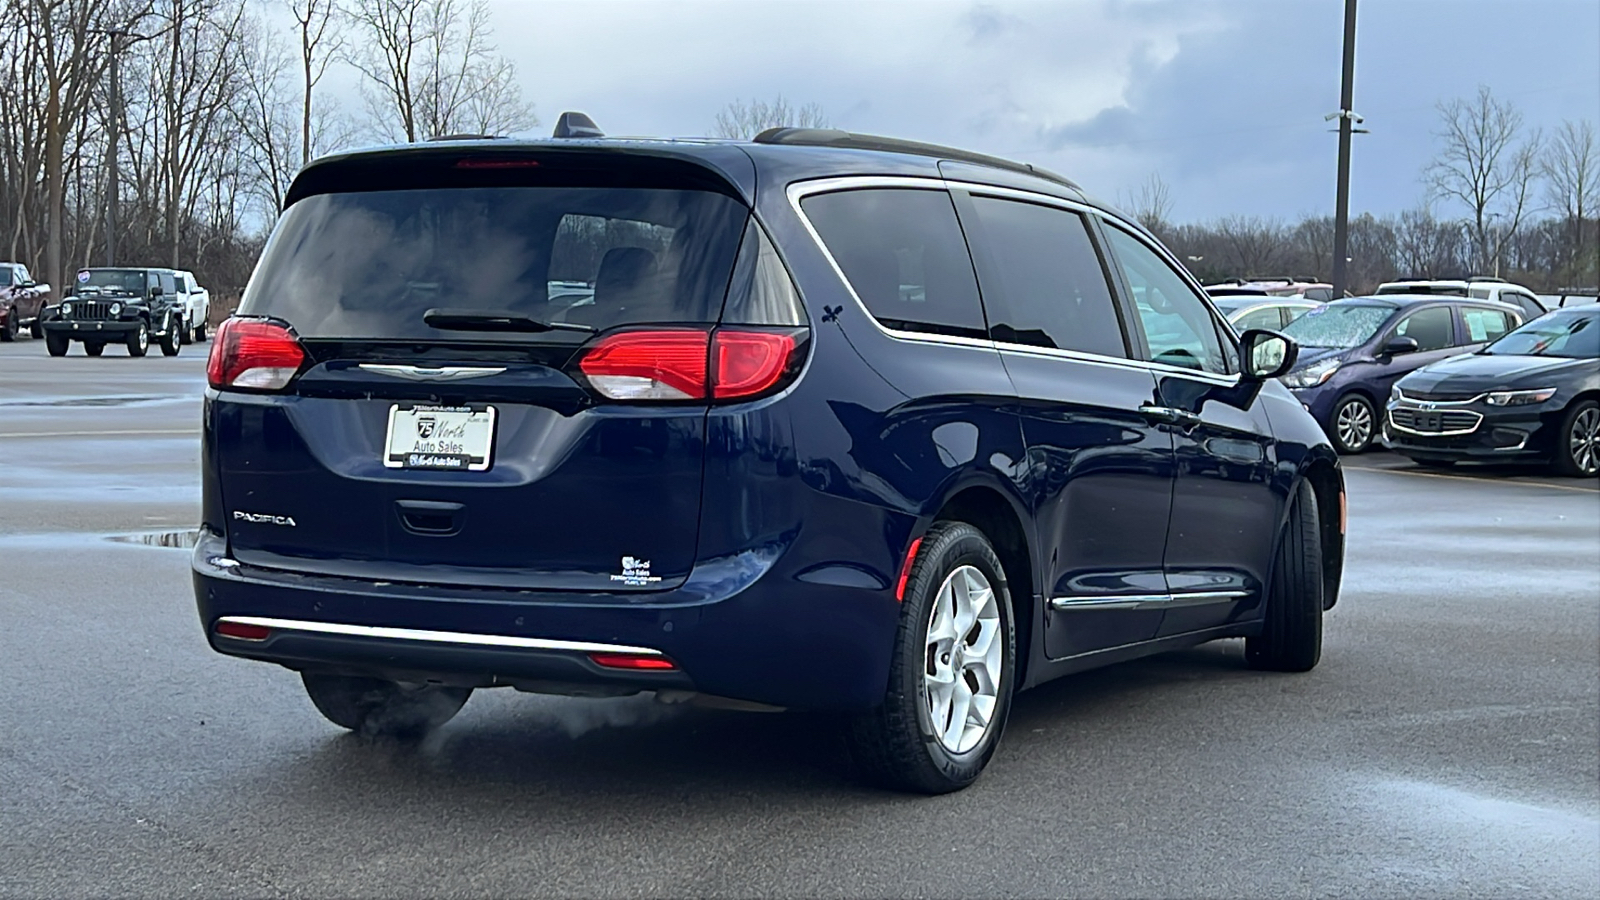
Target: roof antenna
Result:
[[577, 125]]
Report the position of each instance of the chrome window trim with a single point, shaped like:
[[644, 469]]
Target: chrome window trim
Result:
[[1172, 600], [799, 190], [438, 637]]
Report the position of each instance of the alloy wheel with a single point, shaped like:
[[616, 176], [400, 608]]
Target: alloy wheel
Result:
[[1584, 441], [965, 659], [1354, 423]]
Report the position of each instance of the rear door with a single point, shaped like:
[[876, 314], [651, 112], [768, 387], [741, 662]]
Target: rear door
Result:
[[1102, 468], [473, 450], [1433, 327]]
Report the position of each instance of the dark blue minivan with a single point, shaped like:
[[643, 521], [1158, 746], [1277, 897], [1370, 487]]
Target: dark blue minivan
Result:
[[819, 421]]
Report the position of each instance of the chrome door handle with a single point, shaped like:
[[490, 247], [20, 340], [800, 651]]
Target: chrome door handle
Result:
[[1170, 416]]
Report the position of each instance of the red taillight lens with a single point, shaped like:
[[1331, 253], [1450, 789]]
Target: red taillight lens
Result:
[[631, 661], [244, 631], [686, 364], [746, 363], [247, 353], [649, 365]]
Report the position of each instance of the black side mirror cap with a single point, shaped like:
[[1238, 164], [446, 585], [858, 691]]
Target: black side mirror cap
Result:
[[1266, 354], [1397, 345]]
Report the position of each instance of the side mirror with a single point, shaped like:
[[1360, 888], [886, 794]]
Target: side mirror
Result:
[[1398, 345], [1267, 354], [155, 291]]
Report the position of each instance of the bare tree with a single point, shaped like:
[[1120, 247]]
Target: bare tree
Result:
[[1571, 169], [1486, 165], [1254, 244], [318, 26], [1151, 204], [1313, 244], [741, 121], [432, 71], [1425, 247]]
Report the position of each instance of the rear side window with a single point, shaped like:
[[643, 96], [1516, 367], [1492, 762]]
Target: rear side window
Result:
[[1043, 281], [903, 252], [370, 264], [169, 285], [1485, 324], [1430, 328]]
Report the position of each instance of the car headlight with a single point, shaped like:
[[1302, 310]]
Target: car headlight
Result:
[[1519, 398], [1312, 375], [1394, 394], [66, 309], [116, 309]]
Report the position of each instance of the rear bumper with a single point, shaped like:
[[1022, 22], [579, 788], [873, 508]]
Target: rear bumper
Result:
[[759, 637]]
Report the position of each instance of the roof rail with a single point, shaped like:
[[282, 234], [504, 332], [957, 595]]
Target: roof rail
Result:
[[465, 137], [1488, 278], [831, 137]]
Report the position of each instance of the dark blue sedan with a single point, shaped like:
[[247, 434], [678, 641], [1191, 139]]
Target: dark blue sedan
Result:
[[1354, 350]]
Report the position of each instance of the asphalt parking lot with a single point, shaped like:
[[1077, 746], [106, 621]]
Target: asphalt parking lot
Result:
[[1448, 745]]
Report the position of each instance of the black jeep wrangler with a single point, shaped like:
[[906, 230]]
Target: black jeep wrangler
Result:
[[130, 306]]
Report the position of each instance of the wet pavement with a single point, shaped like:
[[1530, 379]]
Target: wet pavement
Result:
[[1448, 745]]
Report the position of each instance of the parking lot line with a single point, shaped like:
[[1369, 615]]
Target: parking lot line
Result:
[[136, 431], [1541, 484]]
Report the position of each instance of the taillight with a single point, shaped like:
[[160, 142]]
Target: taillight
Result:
[[649, 365], [746, 363], [691, 364], [244, 631], [248, 353]]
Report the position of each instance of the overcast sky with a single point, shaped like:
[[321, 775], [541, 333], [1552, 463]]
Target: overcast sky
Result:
[[1224, 99]]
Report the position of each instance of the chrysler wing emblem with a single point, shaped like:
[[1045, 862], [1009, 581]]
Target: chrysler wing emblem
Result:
[[433, 373]]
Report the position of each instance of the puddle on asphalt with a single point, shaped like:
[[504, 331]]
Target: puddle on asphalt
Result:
[[92, 401], [180, 539]]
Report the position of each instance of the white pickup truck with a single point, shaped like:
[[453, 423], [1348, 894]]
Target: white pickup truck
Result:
[[196, 304]]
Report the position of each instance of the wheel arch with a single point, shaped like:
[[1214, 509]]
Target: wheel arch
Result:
[[1002, 518], [1326, 479]]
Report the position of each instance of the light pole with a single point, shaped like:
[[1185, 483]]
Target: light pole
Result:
[[1347, 122]]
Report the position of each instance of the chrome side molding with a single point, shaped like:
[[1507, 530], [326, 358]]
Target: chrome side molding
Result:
[[1147, 601]]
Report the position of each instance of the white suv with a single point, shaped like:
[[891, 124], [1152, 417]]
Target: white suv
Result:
[[1478, 288]]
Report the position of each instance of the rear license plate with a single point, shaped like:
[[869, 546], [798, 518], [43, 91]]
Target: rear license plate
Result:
[[442, 438]]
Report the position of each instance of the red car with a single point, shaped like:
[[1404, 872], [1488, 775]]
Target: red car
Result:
[[21, 301]]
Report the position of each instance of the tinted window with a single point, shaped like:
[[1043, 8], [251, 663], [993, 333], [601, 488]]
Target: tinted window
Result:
[[1177, 324], [1267, 317], [903, 253], [1478, 293], [168, 284], [369, 264], [1430, 328], [180, 283], [1043, 283], [1485, 324]]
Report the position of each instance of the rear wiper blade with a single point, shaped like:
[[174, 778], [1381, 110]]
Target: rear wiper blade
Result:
[[494, 320]]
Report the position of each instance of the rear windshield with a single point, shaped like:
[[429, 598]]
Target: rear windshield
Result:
[[370, 264]]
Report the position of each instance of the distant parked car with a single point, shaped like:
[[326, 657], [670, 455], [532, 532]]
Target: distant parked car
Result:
[[1532, 395], [1272, 313], [1274, 286], [1354, 350], [1478, 288], [128, 306], [21, 301], [196, 304]]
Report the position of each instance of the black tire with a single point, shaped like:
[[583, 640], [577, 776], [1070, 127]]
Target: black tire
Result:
[[1577, 453], [172, 341], [139, 340], [895, 745], [1434, 463], [1353, 440], [199, 332], [9, 329], [36, 330], [93, 348], [56, 344], [1291, 636], [373, 707]]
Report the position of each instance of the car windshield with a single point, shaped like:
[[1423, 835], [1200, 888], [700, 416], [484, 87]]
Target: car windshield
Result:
[[1338, 325], [130, 280], [1572, 337]]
